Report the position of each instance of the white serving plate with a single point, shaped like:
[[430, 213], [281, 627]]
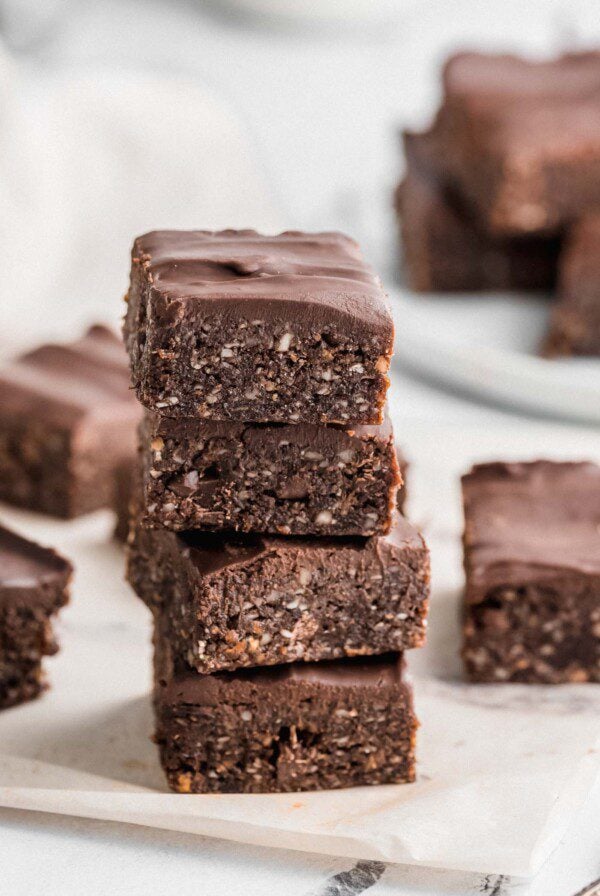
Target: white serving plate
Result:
[[486, 345]]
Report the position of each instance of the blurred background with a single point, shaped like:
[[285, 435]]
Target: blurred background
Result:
[[126, 115]]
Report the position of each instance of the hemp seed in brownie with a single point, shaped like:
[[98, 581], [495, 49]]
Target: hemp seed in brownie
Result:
[[67, 418], [232, 325], [33, 587], [229, 602], [305, 726], [575, 318], [289, 480], [532, 563]]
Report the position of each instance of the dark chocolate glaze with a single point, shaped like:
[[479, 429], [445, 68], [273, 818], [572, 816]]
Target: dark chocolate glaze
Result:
[[210, 552], [61, 383], [182, 685], [318, 436], [313, 276], [28, 570], [527, 522], [486, 77]]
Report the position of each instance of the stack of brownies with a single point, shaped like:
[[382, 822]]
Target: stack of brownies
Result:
[[265, 538], [503, 192]]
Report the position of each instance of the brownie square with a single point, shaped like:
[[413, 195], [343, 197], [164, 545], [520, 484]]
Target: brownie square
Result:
[[444, 248], [532, 563], [575, 318], [233, 325], [67, 418], [306, 726], [33, 586], [522, 139], [229, 602], [289, 480]]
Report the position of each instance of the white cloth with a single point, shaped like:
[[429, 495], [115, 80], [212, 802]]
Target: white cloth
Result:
[[88, 159]]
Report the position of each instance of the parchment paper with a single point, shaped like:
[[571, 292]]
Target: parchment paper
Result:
[[502, 769]]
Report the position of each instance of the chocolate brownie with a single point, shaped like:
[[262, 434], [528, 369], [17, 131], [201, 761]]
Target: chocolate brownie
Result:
[[305, 726], [33, 587], [229, 602], [575, 319], [67, 418], [522, 139], [233, 325], [444, 247], [292, 480], [402, 493], [532, 563]]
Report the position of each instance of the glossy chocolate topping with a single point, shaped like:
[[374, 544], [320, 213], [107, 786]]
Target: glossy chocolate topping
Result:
[[63, 382], [310, 274], [530, 520], [487, 76], [26, 566], [182, 685], [211, 552], [270, 433]]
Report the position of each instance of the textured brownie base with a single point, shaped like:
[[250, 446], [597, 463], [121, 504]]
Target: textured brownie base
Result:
[[290, 480], [232, 602], [522, 139], [25, 637], [575, 321], [532, 603], [307, 727], [33, 587], [444, 249], [237, 326], [67, 417], [547, 632]]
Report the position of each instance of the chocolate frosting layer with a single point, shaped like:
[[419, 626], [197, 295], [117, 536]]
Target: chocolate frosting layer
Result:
[[211, 552], [270, 433], [180, 685], [60, 383], [313, 275], [26, 567], [529, 522], [504, 77]]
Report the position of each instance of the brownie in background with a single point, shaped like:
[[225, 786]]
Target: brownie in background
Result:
[[67, 419], [532, 564], [33, 587]]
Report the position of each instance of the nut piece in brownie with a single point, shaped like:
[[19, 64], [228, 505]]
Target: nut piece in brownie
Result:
[[229, 602], [307, 726], [289, 480], [67, 417], [522, 138], [444, 248], [575, 318], [33, 586], [532, 563], [233, 325]]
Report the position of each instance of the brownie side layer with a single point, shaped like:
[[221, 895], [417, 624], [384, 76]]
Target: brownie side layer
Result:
[[532, 600], [237, 326], [307, 727], [290, 480], [67, 417], [33, 587], [248, 601]]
